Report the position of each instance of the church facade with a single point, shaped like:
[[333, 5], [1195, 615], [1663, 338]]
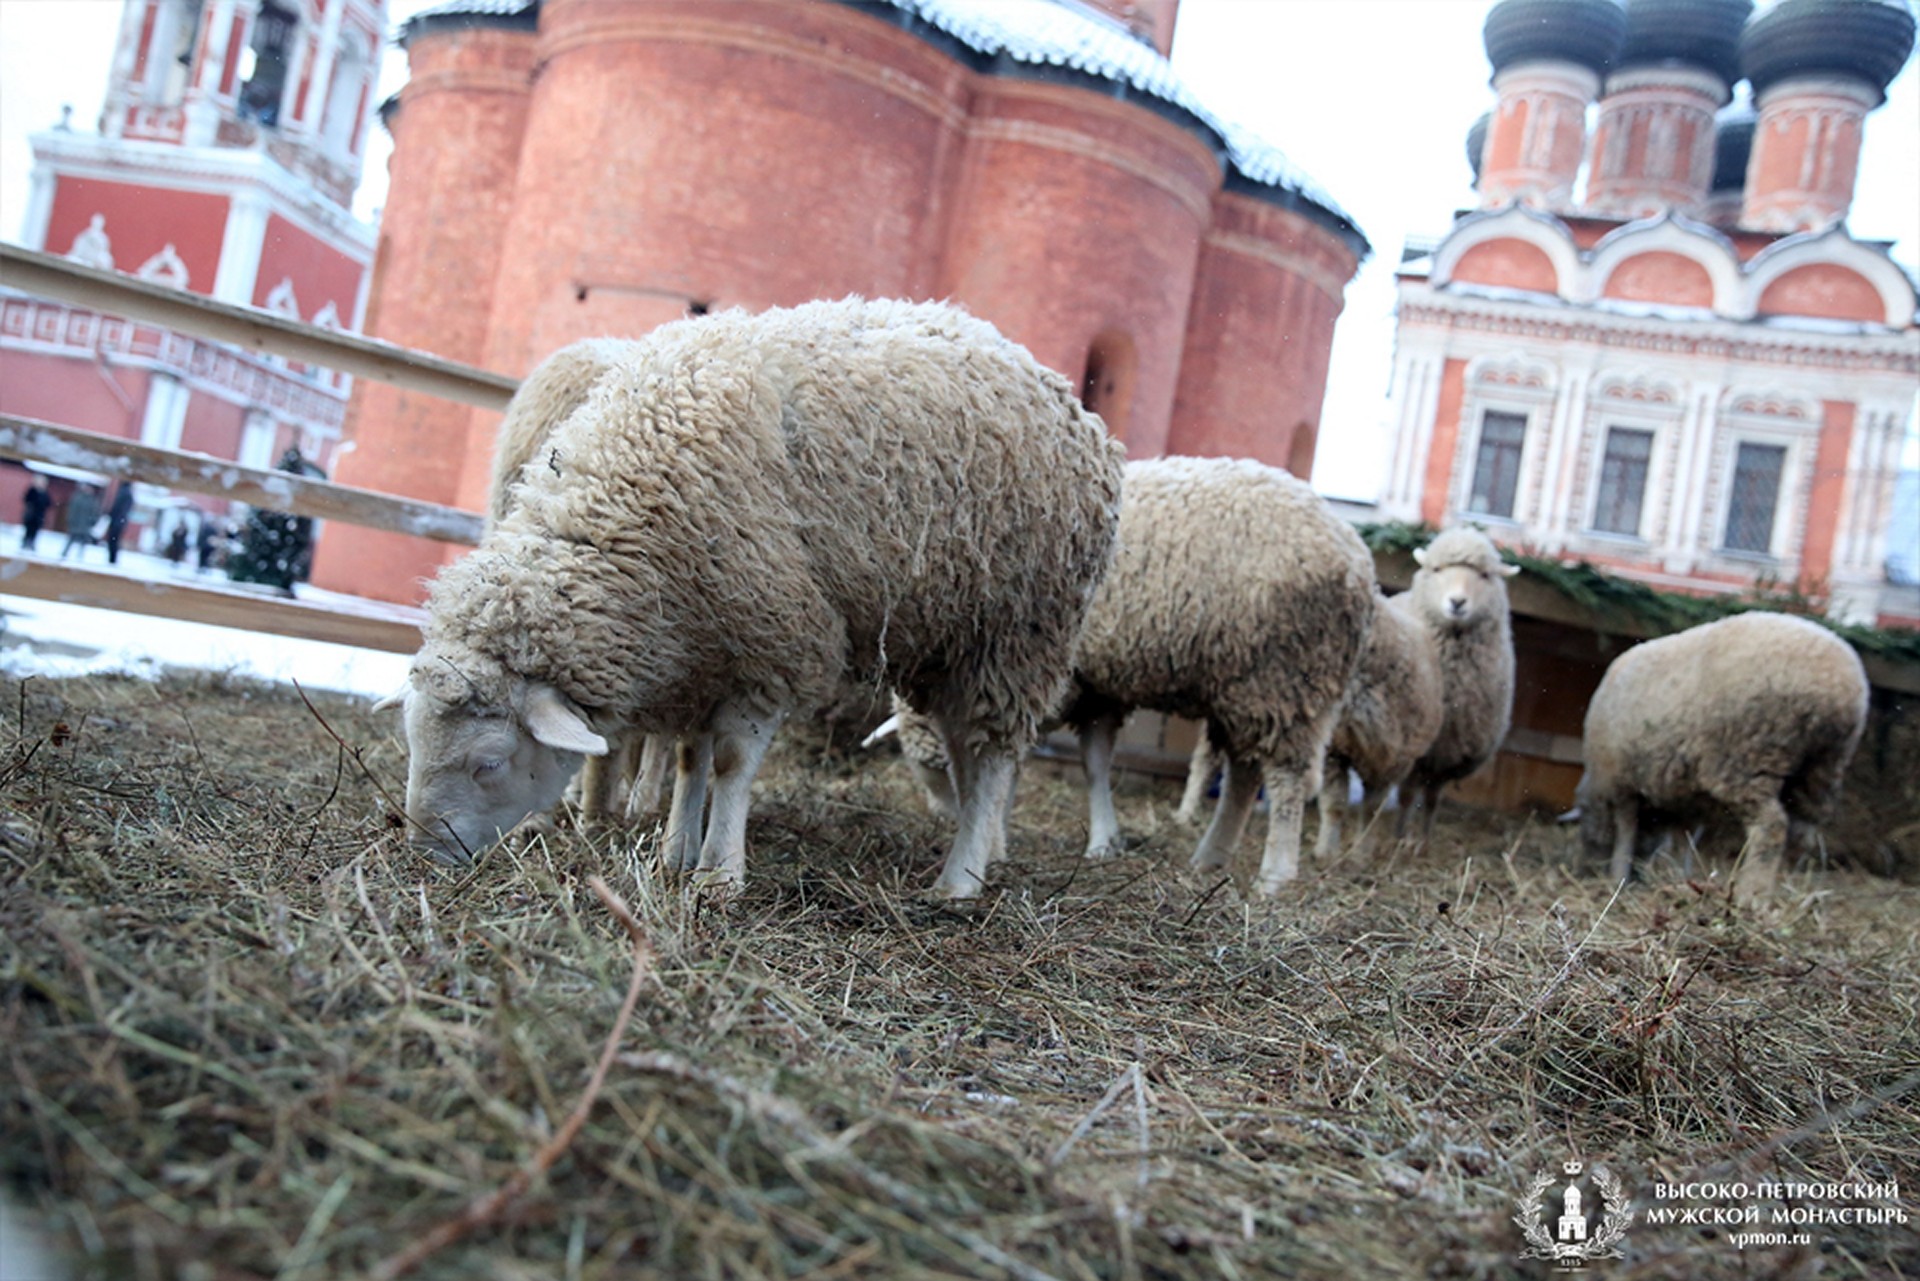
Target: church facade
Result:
[[1684, 368], [225, 162]]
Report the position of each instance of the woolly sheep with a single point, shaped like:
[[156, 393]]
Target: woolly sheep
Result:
[[1240, 599], [1757, 715], [745, 508], [1459, 597], [547, 397], [1391, 715]]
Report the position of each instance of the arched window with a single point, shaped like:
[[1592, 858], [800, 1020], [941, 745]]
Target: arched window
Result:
[[271, 54], [1106, 385]]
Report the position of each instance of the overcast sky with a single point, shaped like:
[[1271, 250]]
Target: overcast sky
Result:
[[1373, 98]]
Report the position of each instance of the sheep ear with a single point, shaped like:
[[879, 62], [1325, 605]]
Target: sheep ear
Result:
[[1508, 571], [1420, 556], [396, 699], [555, 721]]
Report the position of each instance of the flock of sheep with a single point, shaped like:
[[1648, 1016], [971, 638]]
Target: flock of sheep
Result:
[[698, 534]]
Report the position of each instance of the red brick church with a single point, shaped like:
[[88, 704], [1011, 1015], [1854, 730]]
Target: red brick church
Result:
[[571, 168]]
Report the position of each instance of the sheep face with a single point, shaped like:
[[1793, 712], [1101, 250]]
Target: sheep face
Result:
[[477, 767], [1459, 595]]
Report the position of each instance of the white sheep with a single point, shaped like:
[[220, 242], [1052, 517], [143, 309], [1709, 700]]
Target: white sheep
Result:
[[1756, 715], [1459, 595], [743, 510], [1391, 715], [1238, 598], [547, 397]]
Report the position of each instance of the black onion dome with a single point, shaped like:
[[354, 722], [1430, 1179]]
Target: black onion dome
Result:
[[1587, 32], [1477, 141], [1866, 40], [1732, 146], [1697, 33]]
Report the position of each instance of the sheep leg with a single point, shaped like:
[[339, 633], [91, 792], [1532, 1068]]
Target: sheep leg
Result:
[[985, 783], [1429, 810], [1761, 856], [1333, 808], [740, 741], [1626, 828], [1286, 805], [693, 760], [1237, 795], [1199, 771], [1096, 754], [650, 776]]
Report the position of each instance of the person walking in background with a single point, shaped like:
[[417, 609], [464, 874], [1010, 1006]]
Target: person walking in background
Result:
[[177, 544], [117, 517], [33, 511], [83, 509]]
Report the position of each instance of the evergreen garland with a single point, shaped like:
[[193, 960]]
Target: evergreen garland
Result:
[[1611, 596]]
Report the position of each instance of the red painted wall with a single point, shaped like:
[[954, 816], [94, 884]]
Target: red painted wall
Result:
[[1512, 264], [1253, 374], [320, 272], [140, 222], [1823, 289], [1661, 277], [1829, 486], [1446, 435], [1136, 192]]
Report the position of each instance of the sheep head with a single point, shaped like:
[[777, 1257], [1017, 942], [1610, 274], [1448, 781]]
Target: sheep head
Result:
[[1461, 583], [485, 748]]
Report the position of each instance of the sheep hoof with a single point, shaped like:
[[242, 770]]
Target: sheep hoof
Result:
[[1106, 850]]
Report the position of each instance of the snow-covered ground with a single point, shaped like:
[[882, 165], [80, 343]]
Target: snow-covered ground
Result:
[[47, 638]]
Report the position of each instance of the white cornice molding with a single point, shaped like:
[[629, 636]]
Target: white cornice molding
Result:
[[1667, 233], [1559, 322], [1737, 286], [1833, 246], [209, 170], [1512, 221]]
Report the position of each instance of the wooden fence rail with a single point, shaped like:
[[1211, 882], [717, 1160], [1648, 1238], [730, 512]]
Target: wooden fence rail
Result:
[[31, 440]]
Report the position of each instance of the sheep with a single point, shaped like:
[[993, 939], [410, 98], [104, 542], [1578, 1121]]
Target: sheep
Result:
[[1756, 715], [546, 398], [1459, 597], [1240, 599], [745, 508], [1393, 711]]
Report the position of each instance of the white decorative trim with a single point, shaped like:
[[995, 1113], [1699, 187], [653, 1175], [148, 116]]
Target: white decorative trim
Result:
[[1669, 233], [165, 267], [1510, 222], [281, 299]]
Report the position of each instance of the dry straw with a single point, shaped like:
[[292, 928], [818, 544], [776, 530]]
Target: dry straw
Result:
[[246, 1033]]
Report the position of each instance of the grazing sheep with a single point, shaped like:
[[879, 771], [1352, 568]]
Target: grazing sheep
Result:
[[1756, 715], [1238, 598], [1459, 595], [547, 397], [1391, 715], [744, 509]]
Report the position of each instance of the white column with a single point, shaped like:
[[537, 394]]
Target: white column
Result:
[[202, 106], [326, 54], [166, 412], [1415, 433], [1578, 379], [240, 246], [33, 227], [1547, 460]]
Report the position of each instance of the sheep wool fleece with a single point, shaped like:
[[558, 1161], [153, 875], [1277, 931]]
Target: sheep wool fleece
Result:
[[748, 506], [1759, 713], [546, 398], [1238, 598]]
